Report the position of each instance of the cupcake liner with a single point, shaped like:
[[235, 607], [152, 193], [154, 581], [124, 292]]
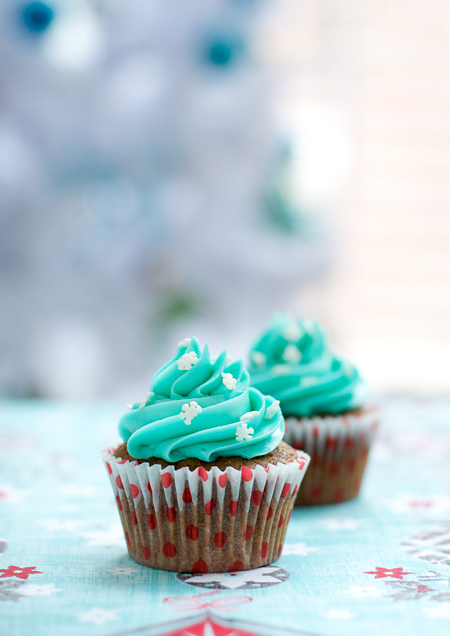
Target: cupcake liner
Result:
[[338, 446], [204, 520]]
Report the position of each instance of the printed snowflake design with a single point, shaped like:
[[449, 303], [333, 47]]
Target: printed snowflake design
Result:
[[18, 572], [408, 590], [187, 361], [9, 590], [105, 538], [395, 573], [247, 579], [64, 525], [189, 411], [248, 416], [11, 494], [259, 358], [431, 546], [364, 592], [148, 397], [39, 590], [298, 549], [341, 523], [184, 343], [272, 409], [339, 615], [97, 616], [438, 611], [244, 434], [122, 571], [436, 504], [291, 354], [293, 332], [229, 381]]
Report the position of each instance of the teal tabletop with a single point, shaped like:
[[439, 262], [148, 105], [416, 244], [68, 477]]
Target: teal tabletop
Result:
[[379, 564]]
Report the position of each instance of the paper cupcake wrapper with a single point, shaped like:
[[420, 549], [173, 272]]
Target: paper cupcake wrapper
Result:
[[204, 520], [338, 446]]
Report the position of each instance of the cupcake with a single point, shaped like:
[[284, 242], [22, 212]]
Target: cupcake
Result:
[[203, 481], [324, 401]]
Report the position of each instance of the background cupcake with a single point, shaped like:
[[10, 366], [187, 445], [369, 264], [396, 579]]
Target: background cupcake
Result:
[[203, 481], [323, 399]]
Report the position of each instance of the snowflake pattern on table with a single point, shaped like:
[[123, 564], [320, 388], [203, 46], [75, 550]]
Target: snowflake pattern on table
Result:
[[395, 573], [46, 589], [244, 580], [341, 523], [105, 538], [298, 549], [432, 545], [413, 503], [60, 525], [122, 571], [97, 616], [339, 614], [18, 572], [10, 590]]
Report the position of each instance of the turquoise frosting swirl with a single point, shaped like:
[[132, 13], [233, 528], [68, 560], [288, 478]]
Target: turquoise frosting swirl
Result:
[[203, 408], [292, 362]]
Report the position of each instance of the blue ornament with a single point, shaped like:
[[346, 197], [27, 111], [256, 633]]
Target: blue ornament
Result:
[[37, 16]]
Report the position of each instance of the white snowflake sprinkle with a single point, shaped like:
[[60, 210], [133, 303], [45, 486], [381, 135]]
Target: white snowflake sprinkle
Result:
[[97, 616], [187, 361], [129, 406], [243, 433], [259, 358], [149, 396], [292, 332], [189, 411], [292, 354], [229, 381], [185, 343], [272, 409], [248, 416]]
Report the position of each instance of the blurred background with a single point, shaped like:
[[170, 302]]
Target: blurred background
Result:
[[176, 168]]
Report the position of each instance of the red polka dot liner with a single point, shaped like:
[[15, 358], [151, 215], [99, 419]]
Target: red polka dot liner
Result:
[[338, 446], [204, 520]]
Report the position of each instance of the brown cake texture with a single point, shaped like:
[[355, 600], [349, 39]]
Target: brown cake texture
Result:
[[282, 454]]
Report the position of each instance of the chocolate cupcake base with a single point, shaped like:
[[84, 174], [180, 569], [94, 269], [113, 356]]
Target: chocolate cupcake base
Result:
[[205, 519]]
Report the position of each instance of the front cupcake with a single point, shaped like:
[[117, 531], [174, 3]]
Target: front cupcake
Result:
[[323, 399], [203, 481]]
